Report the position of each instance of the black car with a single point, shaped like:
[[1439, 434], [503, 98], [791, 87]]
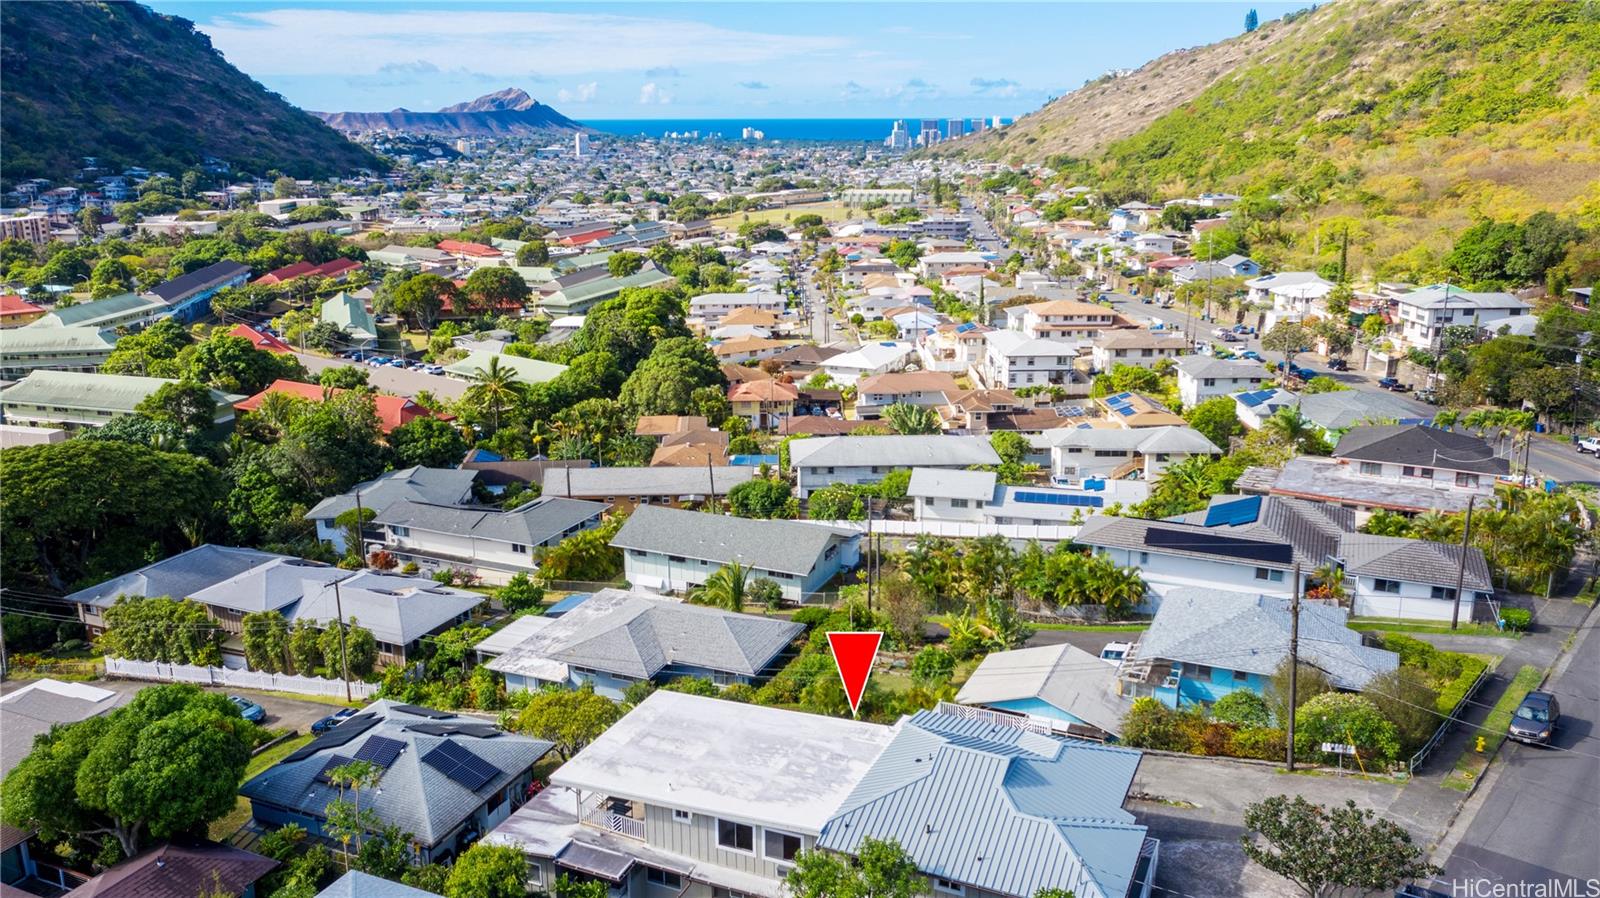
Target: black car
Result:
[[1338, 365], [1535, 719], [332, 720]]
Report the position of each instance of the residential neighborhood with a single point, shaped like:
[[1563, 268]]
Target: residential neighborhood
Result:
[[780, 455]]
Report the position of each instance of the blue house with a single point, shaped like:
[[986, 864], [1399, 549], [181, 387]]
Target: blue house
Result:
[[1205, 643], [615, 638], [189, 296], [1060, 687]]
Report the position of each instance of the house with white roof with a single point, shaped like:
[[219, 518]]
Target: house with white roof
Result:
[[1295, 295], [1013, 359], [953, 348], [936, 264], [706, 799], [1425, 313], [868, 359], [1135, 347], [710, 308], [976, 497], [1063, 319], [1202, 377], [1083, 454], [496, 544]]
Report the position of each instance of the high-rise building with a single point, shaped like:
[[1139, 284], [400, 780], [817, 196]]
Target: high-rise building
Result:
[[955, 127], [980, 125], [580, 145], [899, 138], [930, 134]]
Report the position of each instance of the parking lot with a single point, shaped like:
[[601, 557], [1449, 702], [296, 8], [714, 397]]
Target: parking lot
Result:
[[401, 381]]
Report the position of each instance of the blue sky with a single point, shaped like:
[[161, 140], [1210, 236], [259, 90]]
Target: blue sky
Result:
[[720, 60]]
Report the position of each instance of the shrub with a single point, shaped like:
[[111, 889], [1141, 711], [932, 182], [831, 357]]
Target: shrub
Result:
[[1406, 699], [810, 617], [520, 594], [1345, 718], [1150, 724], [740, 692], [1262, 743], [693, 686], [932, 665], [409, 567], [1457, 687], [1516, 619], [638, 691], [1243, 708], [765, 593]]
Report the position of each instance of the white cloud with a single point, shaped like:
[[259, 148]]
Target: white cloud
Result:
[[914, 89], [995, 87], [420, 67], [652, 94], [583, 93], [296, 41]]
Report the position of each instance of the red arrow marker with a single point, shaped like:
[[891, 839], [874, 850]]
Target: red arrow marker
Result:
[[854, 654]]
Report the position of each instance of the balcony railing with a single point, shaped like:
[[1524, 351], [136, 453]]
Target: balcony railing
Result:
[[596, 811]]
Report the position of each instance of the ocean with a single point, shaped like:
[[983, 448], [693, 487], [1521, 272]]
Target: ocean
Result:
[[853, 130]]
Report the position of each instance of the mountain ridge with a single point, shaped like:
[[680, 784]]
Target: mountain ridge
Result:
[[505, 113], [174, 99]]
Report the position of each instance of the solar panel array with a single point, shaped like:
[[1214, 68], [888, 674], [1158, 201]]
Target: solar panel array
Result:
[[461, 765], [1232, 514], [381, 750], [335, 737], [1222, 546], [334, 763], [420, 711], [479, 730], [1060, 499]]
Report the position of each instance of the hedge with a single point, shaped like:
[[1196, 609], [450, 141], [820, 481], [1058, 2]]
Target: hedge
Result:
[[1452, 692]]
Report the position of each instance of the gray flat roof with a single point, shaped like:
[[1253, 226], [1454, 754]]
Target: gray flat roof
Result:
[[790, 547]]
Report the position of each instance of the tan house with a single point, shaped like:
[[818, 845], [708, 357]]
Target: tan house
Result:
[[763, 403]]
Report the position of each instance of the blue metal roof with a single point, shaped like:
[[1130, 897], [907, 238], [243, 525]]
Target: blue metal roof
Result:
[[566, 604], [1232, 514], [998, 808]]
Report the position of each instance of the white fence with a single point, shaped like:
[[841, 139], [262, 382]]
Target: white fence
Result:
[[242, 679], [961, 529]]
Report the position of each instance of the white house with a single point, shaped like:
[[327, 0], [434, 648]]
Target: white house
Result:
[[1135, 347], [1426, 312], [1014, 359], [821, 461], [1079, 454], [1061, 319], [936, 264], [953, 348], [977, 497], [868, 359], [711, 307], [1202, 377]]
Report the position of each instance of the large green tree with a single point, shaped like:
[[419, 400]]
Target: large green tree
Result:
[[84, 510], [1324, 851], [168, 763], [569, 718], [489, 871], [492, 289], [880, 869], [429, 442]]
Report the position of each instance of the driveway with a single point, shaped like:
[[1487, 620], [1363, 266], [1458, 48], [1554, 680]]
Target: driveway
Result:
[[282, 712]]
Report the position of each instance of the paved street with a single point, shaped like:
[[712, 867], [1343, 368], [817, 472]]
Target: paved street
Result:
[[1538, 817], [283, 712]]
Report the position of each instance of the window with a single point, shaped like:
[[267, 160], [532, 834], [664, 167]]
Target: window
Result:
[[675, 558], [948, 887], [536, 875], [780, 846], [1467, 480], [400, 531], [736, 836], [724, 678], [519, 549], [1211, 381], [1240, 676], [1389, 586], [1144, 557], [663, 878], [1269, 575], [681, 816], [1444, 592], [1371, 468], [958, 503], [1201, 671]]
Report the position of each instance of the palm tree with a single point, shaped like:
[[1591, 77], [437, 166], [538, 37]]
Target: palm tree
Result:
[[1436, 527], [1294, 429], [494, 387], [911, 419], [726, 588]]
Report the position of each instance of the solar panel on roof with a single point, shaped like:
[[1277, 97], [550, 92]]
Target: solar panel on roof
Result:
[[420, 711], [1125, 410], [1060, 499], [460, 765], [478, 730], [381, 750], [1222, 546], [1232, 514], [334, 762], [335, 737]]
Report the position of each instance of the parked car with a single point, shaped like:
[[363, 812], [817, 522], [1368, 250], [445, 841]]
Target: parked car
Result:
[[248, 709], [378, 361], [1535, 719], [332, 720], [1590, 445], [1338, 365], [1389, 383], [433, 369], [1428, 396], [402, 363], [1250, 354]]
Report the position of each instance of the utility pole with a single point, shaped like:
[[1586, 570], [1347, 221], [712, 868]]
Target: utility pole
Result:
[[361, 538], [1294, 661], [1461, 569], [344, 657], [869, 553]]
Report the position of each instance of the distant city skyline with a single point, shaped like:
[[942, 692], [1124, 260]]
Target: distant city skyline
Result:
[[689, 60]]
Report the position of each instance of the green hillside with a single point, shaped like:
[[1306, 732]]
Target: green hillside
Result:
[[1403, 120], [132, 87]]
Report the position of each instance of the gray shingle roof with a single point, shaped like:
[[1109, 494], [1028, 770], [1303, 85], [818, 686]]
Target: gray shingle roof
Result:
[[637, 636], [789, 547], [1414, 560], [1345, 408], [356, 884], [272, 586], [896, 451], [1414, 444], [671, 482], [1312, 528], [441, 486], [396, 608], [1238, 631], [1063, 675], [179, 870], [529, 525], [180, 576], [941, 482], [998, 808], [411, 795], [40, 705], [1207, 366]]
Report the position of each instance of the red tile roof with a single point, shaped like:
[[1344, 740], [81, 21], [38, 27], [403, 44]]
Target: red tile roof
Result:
[[286, 273], [393, 411], [260, 340], [12, 304], [466, 248]]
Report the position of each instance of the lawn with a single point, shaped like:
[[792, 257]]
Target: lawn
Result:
[[782, 214], [224, 827], [1472, 763], [1389, 625]]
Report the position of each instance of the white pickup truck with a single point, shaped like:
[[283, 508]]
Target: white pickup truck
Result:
[[1590, 445]]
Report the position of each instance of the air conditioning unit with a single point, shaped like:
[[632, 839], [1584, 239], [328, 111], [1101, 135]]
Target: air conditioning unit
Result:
[[1169, 683]]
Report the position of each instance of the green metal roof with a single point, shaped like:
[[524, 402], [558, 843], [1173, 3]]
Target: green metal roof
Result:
[[18, 340], [80, 390], [580, 296], [90, 313], [349, 315], [528, 371]]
